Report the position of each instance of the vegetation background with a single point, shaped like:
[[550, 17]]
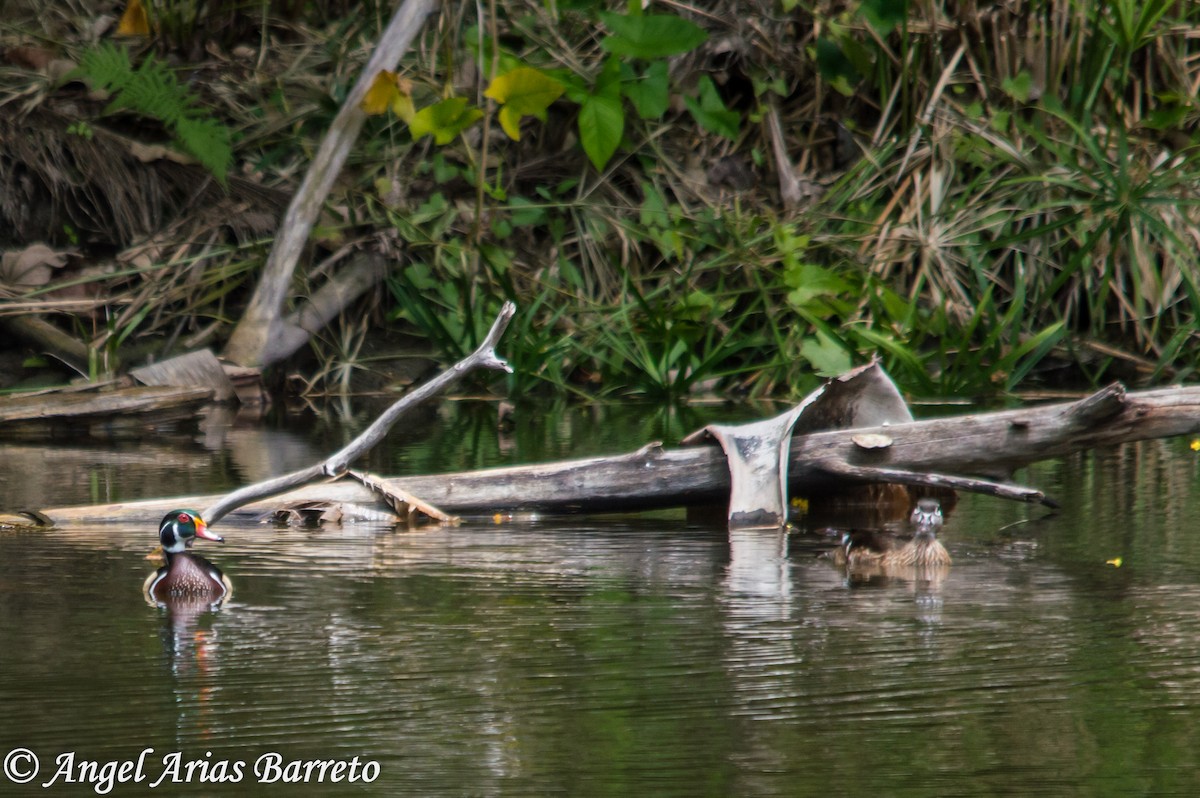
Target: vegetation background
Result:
[[737, 198]]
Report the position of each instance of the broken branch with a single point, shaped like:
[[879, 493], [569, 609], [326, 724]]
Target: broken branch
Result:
[[337, 464], [898, 476]]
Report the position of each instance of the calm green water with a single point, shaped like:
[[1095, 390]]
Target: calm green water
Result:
[[614, 656]]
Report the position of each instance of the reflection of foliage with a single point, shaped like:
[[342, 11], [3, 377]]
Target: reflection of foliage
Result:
[[465, 437]]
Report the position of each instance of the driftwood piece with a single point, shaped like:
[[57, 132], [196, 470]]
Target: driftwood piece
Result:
[[195, 369], [897, 477], [989, 445], [123, 406], [402, 503], [362, 273], [757, 453], [42, 333], [339, 462]]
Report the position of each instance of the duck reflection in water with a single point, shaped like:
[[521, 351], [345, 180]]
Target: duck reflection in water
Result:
[[867, 554]]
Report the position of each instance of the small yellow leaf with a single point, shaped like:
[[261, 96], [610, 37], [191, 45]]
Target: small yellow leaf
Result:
[[444, 120], [800, 504], [523, 92], [135, 21], [510, 121], [1115, 562], [389, 90], [1196, 444], [402, 106]]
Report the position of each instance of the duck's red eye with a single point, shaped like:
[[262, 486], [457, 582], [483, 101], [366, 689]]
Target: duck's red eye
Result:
[[184, 518]]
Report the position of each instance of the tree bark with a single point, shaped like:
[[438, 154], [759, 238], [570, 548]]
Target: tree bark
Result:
[[260, 337], [986, 444]]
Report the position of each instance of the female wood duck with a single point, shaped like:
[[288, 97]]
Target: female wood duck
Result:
[[186, 575], [878, 548]]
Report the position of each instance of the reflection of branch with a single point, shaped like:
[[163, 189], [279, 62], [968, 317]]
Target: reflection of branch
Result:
[[338, 463]]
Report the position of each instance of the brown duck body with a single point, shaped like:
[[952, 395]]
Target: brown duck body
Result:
[[188, 575], [923, 550], [879, 548]]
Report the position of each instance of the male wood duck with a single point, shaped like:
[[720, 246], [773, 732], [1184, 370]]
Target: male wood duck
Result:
[[186, 575], [878, 548]]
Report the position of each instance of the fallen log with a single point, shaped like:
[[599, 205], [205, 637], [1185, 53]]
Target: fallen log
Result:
[[989, 445], [99, 411]]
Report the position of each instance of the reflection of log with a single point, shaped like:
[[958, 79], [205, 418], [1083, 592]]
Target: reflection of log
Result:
[[987, 444]]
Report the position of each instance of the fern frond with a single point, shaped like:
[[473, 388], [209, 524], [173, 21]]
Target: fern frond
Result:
[[152, 90], [208, 141], [106, 67]]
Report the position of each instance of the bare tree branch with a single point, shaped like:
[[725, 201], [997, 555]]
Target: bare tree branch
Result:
[[256, 341], [897, 476], [338, 463]]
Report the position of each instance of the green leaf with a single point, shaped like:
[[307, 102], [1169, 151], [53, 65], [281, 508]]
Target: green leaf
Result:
[[1018, 87], [654, 207], [710, 112], [444, 120], [523, 92], [809, 281], [601, 117], [650, 93], [826, 355], [884, 15], [1167, 117], [209, 141], [835, 67], [651, 35]]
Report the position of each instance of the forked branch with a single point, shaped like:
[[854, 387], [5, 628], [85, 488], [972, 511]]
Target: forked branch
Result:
[[338, 463]]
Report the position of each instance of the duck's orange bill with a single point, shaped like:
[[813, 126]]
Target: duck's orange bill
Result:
[[202, 531]]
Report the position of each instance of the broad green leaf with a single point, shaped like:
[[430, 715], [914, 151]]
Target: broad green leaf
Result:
[[710, 112], [835, 67], [601, 125], [601, 117], [1019, 87], [884, 15], [444, 120], [826, 356], [649, 93], [651, 35], [523, 92]]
